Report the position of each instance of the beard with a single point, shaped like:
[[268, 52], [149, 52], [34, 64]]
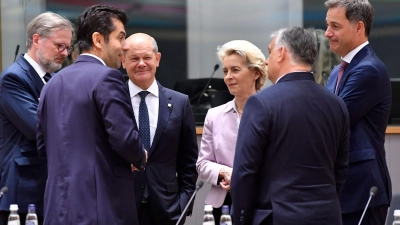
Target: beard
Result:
[[49, 65]]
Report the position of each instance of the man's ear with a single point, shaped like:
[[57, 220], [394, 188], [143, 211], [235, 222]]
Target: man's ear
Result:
[[97, 39], [35, 39], [282, 54]]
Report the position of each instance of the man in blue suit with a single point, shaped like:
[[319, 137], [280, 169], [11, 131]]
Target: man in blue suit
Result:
[[86, 129], [292, 148], [165, 187], [22, 171], [363, 83]]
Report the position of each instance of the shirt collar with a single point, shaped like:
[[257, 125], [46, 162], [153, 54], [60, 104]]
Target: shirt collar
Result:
[[347, 58], [134, 90], [94, 56], [35, 65], [291, 72], [230, 106]]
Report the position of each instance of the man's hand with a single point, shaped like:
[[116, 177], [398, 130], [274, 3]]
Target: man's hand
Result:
[[136, 169]]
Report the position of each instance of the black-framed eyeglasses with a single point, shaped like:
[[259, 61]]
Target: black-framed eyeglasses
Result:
[[61, 46]]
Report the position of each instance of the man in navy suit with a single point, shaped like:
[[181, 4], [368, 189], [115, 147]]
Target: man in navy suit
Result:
[[22, 171], [292, 148], [165, 187], [86, 129], [365, 88]]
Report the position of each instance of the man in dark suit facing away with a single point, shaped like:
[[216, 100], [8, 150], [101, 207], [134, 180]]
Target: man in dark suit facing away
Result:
[[86, 129], [362, 81], [22, 171], [168, 132], [292, 149]]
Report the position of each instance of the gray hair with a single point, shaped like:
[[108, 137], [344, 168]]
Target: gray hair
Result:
[[251, 54], [300, 43], [45, 24], [356, 10], [154, 45]]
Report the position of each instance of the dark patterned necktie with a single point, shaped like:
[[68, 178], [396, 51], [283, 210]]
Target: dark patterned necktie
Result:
[[144, 124], [144, 129], [47, 77]]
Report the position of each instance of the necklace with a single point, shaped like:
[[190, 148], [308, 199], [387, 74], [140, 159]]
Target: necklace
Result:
[[237, 109]]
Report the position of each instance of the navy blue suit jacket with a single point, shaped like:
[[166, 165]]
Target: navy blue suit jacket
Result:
[[171, 166], [365, 89], [291, 155], [86, 130], [22, 171]]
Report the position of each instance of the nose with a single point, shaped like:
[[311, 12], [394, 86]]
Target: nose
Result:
[[141, 62], [328, 32], [267, 61], [228, 75], [64, 52]]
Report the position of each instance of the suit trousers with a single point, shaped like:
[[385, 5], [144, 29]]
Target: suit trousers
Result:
[[373, 216]]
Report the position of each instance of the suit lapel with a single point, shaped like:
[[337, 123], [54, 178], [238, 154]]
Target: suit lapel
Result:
[[367, 50], [127, 85], [164, 112], [31, 73]]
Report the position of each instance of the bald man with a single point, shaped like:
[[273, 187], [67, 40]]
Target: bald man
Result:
[[167, 127]]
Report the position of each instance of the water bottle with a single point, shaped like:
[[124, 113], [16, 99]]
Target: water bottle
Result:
[[31, 217], [396, 220], [208, 216], [225, 217], [13, 218]]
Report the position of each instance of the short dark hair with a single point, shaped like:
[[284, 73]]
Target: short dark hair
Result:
[[300, 43], [97, 18], [356, 10]]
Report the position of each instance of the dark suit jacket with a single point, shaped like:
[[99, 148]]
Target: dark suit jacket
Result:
[[22, 171], [87, 131], [365, 88], [291, 155], [171, 166]]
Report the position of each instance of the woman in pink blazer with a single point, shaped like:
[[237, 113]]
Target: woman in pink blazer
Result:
[[244, 73]]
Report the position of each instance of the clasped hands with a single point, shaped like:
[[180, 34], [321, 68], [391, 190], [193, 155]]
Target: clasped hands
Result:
[[136, 169], [225, 177]]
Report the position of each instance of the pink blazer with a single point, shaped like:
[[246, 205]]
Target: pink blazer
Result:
[[218, 145]]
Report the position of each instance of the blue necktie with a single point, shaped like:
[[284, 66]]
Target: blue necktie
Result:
[[144, 124], [144, 128]]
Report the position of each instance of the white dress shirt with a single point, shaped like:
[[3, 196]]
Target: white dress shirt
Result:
[[347, 58], [152, 102], [36, 66]]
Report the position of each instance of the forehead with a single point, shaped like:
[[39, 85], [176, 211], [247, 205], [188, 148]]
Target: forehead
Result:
[[336, 14], [272, 43], [118, 25], [140, 46], [233, 60], [61, 35]]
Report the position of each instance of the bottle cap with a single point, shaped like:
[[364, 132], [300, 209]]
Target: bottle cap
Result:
[[208, 208], [225, 208], [31, 207], [396, 212], [13, 207]]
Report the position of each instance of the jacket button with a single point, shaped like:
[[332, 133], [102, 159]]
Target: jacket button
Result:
[[142, 185]]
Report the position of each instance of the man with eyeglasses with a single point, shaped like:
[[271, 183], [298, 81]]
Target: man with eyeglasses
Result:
[[22, 171]]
